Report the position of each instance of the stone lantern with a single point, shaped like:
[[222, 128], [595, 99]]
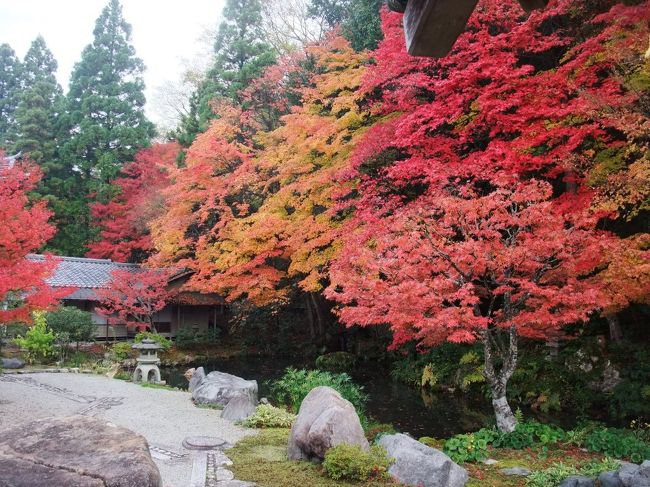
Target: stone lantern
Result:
[[147, 369]]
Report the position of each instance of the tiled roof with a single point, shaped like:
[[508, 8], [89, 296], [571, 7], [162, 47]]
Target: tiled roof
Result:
[[83, 274], [8, 162]]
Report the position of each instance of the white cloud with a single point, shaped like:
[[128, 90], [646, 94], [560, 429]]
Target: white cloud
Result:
[[166, 33]]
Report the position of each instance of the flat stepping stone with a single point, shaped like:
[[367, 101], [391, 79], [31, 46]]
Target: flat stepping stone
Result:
[[516, 471], [224, 474], [489, 461], [204, 443]]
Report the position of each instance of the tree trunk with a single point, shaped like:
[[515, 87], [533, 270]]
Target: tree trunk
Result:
[[310, 319], [498, 379], [615, 333], [506, 421]]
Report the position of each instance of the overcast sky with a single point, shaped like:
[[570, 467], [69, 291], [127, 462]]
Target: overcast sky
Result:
[[165, 32]]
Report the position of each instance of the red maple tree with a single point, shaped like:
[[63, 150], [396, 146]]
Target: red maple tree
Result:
[[473, 219], [125, 220], [133, 297], [479, 261], [24, 229]]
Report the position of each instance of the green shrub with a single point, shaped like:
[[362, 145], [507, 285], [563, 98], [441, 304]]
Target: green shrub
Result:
[[295, 384], [78, 359], [336, 362], [165, 343], [267, 416], [187, 338], [353, 463], [617, 443], [122, 351], [528, 433], [75, 324], [122, 376], [470, 447], [554, 475], [38, 341]]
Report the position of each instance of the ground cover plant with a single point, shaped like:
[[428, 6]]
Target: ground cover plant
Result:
[[295, 384]]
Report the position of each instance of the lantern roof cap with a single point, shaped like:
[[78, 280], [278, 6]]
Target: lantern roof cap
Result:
[[147, 344]]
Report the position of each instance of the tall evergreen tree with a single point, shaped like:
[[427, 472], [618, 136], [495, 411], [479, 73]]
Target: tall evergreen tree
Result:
[[9, 87], [359, 20], [39, 105], [241, 54], [106, 125], [106, 102]]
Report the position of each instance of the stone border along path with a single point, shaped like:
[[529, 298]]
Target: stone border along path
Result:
[[165, 418]]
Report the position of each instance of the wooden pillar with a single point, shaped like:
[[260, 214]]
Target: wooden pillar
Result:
[[432, 26]]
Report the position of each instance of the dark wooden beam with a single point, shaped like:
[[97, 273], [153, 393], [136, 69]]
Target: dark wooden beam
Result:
[[432, 26], [529, 5]]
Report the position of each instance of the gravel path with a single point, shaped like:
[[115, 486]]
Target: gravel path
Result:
[[163, 417]]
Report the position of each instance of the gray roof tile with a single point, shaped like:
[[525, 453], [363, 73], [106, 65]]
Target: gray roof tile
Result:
[[83, 274]]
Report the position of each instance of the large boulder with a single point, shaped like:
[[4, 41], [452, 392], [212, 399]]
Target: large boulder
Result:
[[419, 465], [12, 363], [219, 388], [76, 451], [238, 409], [577, 481], [325, 420], [642, 476]]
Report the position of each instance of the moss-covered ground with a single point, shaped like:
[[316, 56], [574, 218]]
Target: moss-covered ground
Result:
[[262, 459]]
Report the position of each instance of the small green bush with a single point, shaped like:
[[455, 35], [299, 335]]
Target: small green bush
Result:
[[161, 340], [470, 447], [617, 443], [554, 475], [122, 351], [38, 341], [122, 376], [353, 463], [295, 384], [267, 416], [75, 324], [528, 433], [187, 338], [336, 362]]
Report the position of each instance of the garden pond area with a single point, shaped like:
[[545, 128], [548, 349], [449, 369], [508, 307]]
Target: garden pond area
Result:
[[420, 413]]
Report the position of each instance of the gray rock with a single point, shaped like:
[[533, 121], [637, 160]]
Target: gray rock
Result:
[[609, 479], [626, 472], [577, 481], [419, 465], [220, 388], [489, 461], [516, 471], [325, 420], [194, 376], [238, 409], [75, 451], [12, 363], [642, 476]]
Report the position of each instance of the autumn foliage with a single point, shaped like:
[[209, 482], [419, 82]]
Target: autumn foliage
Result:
[[24, 230], [124, 220], [133, 297], [496, 193]]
